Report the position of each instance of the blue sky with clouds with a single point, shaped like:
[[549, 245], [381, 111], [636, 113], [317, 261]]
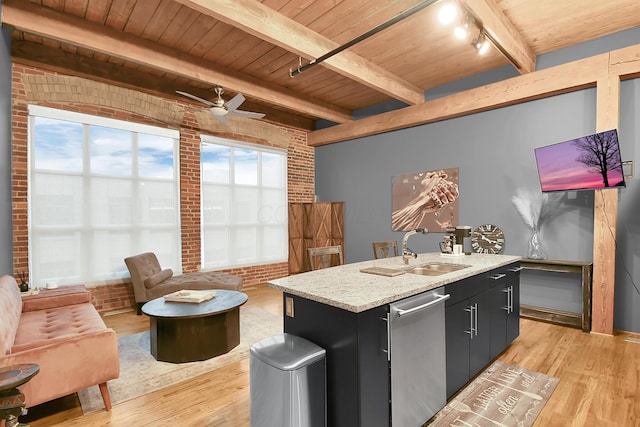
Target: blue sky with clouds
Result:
[[58, 146]]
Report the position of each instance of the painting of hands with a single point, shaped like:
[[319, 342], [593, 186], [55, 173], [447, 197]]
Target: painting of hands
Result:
[[425, 199]]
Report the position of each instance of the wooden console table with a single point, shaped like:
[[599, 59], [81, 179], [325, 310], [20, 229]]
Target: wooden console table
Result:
[[579, 320]]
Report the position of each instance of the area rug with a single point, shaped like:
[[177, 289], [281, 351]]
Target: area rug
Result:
[[141, 373], [503, 395]]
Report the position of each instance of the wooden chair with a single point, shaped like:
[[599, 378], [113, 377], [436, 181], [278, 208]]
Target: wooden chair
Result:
[[324, 256], [383, 249]]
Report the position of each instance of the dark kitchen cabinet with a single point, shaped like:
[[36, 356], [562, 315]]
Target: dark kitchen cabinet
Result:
[[513, 318], [468, 338], [505, 315], [358, 380], [482, 319], [357, 364]]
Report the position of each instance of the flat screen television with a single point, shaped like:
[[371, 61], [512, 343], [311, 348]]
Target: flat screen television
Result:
[[585, 163]]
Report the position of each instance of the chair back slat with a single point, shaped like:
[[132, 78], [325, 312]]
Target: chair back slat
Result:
[[322, 257], [383, 249]]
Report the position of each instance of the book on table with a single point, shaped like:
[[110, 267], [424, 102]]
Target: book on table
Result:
[[192, 296]]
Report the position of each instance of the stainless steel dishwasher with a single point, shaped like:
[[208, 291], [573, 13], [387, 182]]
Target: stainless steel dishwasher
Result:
[[417, 354]]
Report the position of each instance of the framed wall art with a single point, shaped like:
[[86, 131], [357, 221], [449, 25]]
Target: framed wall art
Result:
[[425, 199]]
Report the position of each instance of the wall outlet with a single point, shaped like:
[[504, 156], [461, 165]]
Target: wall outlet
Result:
[[288, 302]]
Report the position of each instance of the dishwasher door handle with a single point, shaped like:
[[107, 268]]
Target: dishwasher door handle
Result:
[[438, 299]]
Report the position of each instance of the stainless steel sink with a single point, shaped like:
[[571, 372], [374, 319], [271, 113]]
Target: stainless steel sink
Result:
[[436, 268]]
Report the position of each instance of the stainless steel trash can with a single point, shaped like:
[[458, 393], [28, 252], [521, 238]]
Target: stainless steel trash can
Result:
[[287, 376]]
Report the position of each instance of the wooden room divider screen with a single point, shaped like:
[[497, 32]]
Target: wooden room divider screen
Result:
[[313, 225]]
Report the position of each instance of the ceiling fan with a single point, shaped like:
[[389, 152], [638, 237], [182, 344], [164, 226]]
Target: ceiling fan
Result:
[[221, 109]]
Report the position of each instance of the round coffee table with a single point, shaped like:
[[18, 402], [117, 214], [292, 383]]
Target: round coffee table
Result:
[[188, 332]]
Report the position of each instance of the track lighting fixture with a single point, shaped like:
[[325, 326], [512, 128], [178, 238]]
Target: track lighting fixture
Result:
[[449, 12], [481, 43]]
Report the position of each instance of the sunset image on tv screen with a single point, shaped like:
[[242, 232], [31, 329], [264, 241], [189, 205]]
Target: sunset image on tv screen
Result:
[[589, 162]]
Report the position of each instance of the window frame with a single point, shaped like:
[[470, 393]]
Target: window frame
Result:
[[87, 270], [232, 260]]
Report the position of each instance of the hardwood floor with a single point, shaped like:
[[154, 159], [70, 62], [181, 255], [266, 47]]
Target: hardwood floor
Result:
[[599, 381]]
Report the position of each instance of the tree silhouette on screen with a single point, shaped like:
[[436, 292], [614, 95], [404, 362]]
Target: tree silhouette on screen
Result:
[[599, 153]]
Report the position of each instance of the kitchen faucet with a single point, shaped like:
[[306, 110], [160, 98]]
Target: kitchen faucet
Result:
[[406, 252]]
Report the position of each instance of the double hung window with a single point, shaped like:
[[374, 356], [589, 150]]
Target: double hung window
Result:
[[244, 204], [99, 190]]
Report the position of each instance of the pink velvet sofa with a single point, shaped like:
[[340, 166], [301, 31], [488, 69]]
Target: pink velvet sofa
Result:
[[61, 331]]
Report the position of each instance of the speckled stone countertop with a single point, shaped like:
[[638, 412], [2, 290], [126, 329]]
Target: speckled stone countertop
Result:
[[346, 287]]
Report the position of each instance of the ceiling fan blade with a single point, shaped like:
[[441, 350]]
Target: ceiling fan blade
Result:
[[195, 98], [234, 102], [246, 114]]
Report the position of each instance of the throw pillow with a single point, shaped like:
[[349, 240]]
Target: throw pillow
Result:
[[157, 278]]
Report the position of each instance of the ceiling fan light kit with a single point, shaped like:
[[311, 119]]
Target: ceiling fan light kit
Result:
[[218, 111]]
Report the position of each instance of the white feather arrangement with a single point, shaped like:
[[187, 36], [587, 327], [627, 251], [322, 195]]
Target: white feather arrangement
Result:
[[535, 207]]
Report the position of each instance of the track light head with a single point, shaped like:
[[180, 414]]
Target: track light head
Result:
[[448, 13], [481, 43], [462, 31]]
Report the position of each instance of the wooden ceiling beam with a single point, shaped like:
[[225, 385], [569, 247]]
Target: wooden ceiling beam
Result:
[[504, 35], [60, 61], [551, 81], [263, 22], [618, 64], [31, 18]]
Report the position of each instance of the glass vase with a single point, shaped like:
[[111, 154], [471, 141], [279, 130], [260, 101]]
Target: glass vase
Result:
[[536, 249]]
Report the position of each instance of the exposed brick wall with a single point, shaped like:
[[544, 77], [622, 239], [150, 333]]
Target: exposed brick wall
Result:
[[190, 199], [301, 174], [110, 297], [19, 171]]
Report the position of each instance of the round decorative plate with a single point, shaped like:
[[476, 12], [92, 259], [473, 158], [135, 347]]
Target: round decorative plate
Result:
[[14, 376]]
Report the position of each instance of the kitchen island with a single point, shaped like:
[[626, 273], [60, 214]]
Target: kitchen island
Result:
[[346, 312]]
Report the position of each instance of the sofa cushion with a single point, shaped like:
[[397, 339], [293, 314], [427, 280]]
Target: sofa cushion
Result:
[[51, 298], [52, 325], [10, 307], [158, 278]]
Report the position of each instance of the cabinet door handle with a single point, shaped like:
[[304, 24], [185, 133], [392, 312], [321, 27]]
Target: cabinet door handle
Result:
[[511, 299], [388, 350], [475, 311], [506, 307], [516, 269], [509, 307], [471, 328], [498, 276], [473, 320]]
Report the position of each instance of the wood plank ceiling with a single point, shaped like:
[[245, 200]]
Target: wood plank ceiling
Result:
[[250, 46]]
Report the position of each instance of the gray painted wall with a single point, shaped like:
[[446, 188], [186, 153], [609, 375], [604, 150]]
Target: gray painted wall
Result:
[[494, 153], [627, 297], [6, 227]]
